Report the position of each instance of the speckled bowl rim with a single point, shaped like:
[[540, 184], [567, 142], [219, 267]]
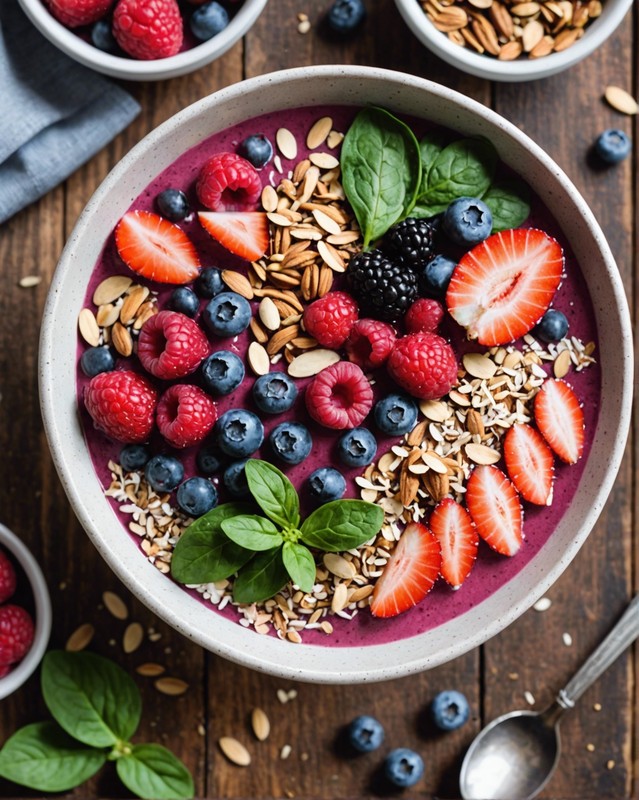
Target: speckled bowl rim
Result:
[[133, 69], [282, 90]]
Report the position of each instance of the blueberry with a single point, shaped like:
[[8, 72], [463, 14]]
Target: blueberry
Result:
[[344, 16], [239, 433], [209, 20], [227, 314], [612, 146], [173, 204], [134, 457], [222, 372], [185, 301], [326, 484], [449, 710], [357, 447], [395, 414], [234, 478], [365, 734], [435, 276], [552, 327], [291, 441], [274, 393], [210, 459], [467, 221], [196, 496], [96, 360], [257, 149], [102, 36], [209, 282], [164, 473], [403, 767]]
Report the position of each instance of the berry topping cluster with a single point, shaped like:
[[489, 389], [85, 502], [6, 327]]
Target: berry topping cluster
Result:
[[16, 624]]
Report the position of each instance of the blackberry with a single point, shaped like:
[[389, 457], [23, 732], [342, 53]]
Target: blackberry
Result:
[[410, 241], [384, 289]]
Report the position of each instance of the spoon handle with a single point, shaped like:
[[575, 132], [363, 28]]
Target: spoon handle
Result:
[[620, 637]]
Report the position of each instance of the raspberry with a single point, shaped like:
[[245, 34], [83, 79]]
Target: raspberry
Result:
[[425, 316], [370, 343], [74, 13], [122, 405], [171, 345], [16, 634], [340, 396], [228, 182], [185, 415], [148, 29], [330, 319], [7, 578], [424, 365]]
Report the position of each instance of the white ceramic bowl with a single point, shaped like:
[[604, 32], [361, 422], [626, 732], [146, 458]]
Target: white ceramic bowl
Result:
[[19, 674], [132, 69], [523, 69], [281, 91]]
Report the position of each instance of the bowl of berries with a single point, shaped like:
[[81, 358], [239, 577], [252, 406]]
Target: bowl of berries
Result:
[[144, 40], [322, 374]]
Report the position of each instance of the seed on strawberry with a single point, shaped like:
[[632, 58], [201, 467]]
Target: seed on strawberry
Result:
[[171, 345], [185, 415], [530, 464], [560, 420], [495, 509], [122, 405], [16, 634], [424, 365], [424, 315], [243, 233], [331, 318], [7, 578], [370, 343], [228, 182], [148, 29], [340, 396], [453, 527]]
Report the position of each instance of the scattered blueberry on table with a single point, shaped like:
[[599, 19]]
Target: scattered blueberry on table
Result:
[[403, 767], [345, 16], [449, 710], [365, 733], [613, 146]]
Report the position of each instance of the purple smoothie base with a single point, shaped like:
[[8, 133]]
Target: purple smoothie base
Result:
[[491, 571]]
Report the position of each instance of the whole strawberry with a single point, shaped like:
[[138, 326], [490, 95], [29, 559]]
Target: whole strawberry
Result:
[[185, 415], [7, 578], [171, 345], [424, 365], [122, 405], [148, 29], [74, 13], [330, 319], [16, 634]]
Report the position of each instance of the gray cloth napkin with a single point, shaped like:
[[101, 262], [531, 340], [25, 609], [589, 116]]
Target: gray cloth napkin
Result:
[[54, 113]]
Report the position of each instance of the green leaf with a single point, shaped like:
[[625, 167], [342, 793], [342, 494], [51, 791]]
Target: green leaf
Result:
[[252, 532], [43, 757], [261, 578], [300, 565], [424, 211], [381, 171], [341, 525], [93, 699], [429, 148], [153, 771], [273, 492], [463, 169], [509, 202], [204, 553]]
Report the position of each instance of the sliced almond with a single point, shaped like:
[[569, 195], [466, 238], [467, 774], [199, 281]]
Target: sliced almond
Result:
[[319, 132], [269, 198], [122, 340], [325, 222], [502, 20], [434, 462], [324, 160], [111, 289], [258, 331], [133, 636], [338, 565], [281, 220], [312, 362], [150, 670], [434, 410], [132, 303], [340, 598], [107, 315], [145, 312], [416, 436], [260, 724], [235, 751], [281, 338], [481, 3], [561, 365], [512, 360], [171, 686], [544, 48], [334, 139], [510, 51], [331, 257], [80, 638], [474, 423], [286, 143], [479, 365], [620, 100], [452, 18], [567, 38], [524, 9], [481, 454], [325, 283], [115, 605], [88, 327], [237, 282], [533, 34], [268, 314], [345, 237], [258, 359]]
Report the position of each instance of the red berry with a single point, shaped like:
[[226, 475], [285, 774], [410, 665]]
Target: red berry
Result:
[[370, 343], [7, 578], [529, 464], [560, 419], [5, 669], [148, 29], [331, 318], [122, 405], [228, 182], [495, 509], [74, 13], [424, 365], [425, 315], [185, 415], [340, 396], [16, 634], [171, 345], [244, 233]]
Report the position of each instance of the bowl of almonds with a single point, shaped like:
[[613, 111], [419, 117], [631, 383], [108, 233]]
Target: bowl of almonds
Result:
[[536, 39]]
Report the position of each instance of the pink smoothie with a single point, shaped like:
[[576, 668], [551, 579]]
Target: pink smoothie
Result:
[[491, 570]]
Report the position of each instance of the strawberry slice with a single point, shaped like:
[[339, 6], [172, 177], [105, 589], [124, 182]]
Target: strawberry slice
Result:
[[494, 506], [501, 288], [560, 419], [530, 464], [156, 248], [452, 526], [409, 574], [244, 233]]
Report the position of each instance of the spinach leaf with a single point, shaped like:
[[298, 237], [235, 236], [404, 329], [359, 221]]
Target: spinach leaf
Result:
[[429, 148], [274, 493], [204, 553], [261, 578], [463, 169], [509, 202], [300, 565], [341, 525], [381, 171], [252, 532], [153, 771]]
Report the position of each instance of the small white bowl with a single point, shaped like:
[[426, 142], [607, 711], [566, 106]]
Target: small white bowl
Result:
[[42, 603], [522, 69], [132, 69]]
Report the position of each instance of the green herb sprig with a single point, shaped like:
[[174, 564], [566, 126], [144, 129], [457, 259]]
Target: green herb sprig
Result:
[[265, 551]]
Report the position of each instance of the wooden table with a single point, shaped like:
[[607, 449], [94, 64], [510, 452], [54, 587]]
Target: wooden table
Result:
[[563, 114]]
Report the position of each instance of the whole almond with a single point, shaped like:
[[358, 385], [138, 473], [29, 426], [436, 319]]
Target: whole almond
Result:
[[122, 340], [474, 423], [237, 282]]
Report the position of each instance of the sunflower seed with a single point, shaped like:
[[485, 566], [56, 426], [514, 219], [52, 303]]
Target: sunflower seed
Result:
[[150, 670], [133, 636], [260, 724], [171, 686], [80, 638], [115, 605]]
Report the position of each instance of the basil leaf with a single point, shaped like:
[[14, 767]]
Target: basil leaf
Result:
[[429, 148], [261, 578], [274, 493], [381, 171], [42, 756], [341, 525], [153, 771], [509, 202], [463, 169], [252, 532], [300, 565], [204, 553], [93, 699]]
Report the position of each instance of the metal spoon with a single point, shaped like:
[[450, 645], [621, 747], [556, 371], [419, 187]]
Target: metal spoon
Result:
[[514, 757]]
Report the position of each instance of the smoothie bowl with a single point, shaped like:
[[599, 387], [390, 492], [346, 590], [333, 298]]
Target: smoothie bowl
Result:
[[256, 365]]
